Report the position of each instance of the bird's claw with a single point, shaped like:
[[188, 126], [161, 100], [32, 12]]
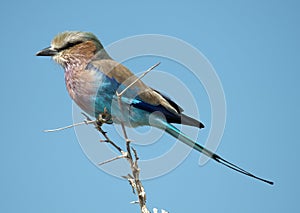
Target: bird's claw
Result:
[[104, 117]]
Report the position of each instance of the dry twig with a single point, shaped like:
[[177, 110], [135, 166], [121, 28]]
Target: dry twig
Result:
[[134, 161]]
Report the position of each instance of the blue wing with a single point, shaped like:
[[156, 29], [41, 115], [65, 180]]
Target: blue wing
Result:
[[138, 108]]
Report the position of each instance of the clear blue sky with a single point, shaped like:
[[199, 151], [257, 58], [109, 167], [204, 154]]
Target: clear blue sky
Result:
[[254, 48]]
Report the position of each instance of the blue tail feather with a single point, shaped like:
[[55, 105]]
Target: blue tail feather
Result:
[[172, 130]]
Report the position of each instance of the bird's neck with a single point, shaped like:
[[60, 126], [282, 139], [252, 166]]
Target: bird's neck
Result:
[[75, 62], [74, 68], [78, 56], [78, 79]]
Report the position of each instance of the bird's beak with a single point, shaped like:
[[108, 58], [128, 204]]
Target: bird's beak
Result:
[[47, 52]]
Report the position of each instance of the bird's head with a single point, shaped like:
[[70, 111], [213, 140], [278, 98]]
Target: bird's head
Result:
[[72, 47]]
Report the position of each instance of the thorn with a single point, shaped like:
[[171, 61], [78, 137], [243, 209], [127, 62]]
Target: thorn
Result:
[[137, 79]]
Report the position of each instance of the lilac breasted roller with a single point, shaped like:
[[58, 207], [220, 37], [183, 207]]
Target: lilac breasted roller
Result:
[[93, 79]]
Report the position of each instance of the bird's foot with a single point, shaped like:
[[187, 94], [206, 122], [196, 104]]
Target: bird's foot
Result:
[[104, 118]]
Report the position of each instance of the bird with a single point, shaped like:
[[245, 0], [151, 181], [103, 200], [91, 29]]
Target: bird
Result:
[[93, 80]]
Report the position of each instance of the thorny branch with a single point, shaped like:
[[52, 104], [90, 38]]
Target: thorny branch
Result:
[[137, 184]]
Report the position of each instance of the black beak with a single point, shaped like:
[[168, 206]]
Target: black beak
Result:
[[47, 52]]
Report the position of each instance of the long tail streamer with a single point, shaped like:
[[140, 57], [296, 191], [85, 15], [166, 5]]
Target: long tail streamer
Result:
[[172, 130]]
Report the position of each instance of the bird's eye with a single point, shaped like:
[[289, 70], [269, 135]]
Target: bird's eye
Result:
[[69, 45]]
